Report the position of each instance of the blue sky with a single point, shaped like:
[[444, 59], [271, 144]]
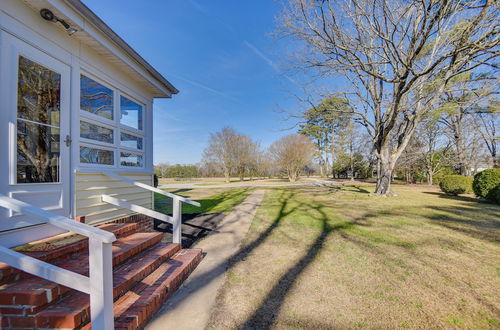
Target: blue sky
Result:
[[221, 56]]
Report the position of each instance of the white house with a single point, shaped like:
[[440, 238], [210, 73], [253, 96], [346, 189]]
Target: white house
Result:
[[76, 124]]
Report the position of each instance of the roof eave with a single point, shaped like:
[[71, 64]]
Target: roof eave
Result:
[[92, 18]]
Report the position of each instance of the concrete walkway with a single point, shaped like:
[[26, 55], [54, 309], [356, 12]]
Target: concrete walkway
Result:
[[189, 308]]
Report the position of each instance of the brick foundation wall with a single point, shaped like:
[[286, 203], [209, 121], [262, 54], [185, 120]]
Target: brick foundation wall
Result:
[[144, 223]]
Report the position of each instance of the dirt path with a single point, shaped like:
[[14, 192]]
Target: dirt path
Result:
[[190, 307]]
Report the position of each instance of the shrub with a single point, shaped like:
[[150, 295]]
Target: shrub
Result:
[[485, 182], [496, 194], [456, 184], [444, 172]]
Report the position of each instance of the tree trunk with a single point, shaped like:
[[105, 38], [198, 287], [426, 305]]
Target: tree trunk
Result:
[[430, 176], [226, 176], [385, 167], [292, 175]]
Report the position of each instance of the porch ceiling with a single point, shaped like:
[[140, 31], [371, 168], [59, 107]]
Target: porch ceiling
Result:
[[94, 33]]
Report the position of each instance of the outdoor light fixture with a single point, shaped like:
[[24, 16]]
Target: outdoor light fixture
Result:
[[48, 15]]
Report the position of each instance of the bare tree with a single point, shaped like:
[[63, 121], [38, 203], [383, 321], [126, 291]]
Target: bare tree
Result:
[[221, 151], [398, 57], [245, 155], [487, 124], [435, 150], [231, 152], [292, 153]]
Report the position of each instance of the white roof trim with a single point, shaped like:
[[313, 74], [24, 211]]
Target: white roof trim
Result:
[[79, 16]]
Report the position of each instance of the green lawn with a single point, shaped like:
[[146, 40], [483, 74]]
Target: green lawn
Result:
[[212, 201], [328, 258]]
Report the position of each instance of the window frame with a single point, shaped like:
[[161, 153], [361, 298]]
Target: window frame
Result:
[[116, 126]]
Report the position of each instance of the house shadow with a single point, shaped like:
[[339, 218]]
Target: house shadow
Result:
[[194, 227]]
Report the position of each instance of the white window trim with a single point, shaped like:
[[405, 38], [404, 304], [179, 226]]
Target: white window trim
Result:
[[117, 128]]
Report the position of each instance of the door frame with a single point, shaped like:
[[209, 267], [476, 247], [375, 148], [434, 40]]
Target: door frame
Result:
[[11, 48]]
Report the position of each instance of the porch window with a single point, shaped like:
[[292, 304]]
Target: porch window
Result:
[[130, 159], [111, 126], [96, 156], [131, 113], [38, 112], [131, 141], [96, 98], [95, 132]]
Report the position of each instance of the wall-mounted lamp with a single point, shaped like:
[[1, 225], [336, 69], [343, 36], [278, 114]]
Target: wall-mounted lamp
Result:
[[49, 16]]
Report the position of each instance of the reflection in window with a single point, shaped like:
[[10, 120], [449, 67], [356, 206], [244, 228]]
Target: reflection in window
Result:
[[38, 106], [96, 98], [131, 113], [131, 141], [96, 156], [129, 159], [96, 132], [37, 153]]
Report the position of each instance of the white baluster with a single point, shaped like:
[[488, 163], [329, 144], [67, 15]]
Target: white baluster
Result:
[[101, 284], [177, 225]]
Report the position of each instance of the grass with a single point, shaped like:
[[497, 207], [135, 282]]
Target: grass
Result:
[[342, 258], [222, 201]]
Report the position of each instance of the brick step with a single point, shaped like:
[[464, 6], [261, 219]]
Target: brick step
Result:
[[58, 248], [132, 310], [30, 295]]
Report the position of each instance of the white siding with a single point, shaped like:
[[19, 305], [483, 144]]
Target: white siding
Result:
[[90, 186]]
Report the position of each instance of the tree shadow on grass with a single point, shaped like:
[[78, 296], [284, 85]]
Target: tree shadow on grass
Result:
[[203, 279], [474, 220], [265, 315]]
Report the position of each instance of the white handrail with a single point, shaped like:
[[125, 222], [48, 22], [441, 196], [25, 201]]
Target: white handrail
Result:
[[136, 208], [42, 269], [56, 220], [150, 188], [175, 220], [99, 283]]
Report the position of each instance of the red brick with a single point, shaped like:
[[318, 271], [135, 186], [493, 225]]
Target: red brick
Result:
[[151, 271], [22, 322]]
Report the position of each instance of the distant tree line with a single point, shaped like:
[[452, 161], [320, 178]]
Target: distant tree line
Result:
[[164, 170], [230, 153]]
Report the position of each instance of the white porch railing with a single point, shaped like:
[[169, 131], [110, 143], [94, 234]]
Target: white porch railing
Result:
[[99, 283], [175, 219]]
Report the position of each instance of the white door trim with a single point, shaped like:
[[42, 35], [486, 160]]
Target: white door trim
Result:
[[54, 196]]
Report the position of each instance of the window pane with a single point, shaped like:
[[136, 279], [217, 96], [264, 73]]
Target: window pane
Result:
[[96, 98], [96, 156], [131, 113], [37, 153], [131, 141], [38, 93], [128, 159], [96, 132]]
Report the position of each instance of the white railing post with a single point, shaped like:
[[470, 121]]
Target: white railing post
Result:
[[177, 225], [101, 284]]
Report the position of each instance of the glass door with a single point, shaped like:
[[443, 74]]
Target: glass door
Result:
[[37, 101]]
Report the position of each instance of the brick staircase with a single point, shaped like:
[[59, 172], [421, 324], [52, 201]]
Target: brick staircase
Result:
[[146, 273]]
